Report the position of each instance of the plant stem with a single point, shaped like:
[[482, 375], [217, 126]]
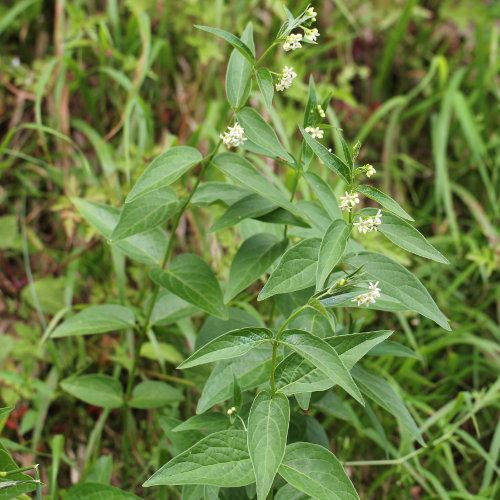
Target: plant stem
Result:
[[262, 57]]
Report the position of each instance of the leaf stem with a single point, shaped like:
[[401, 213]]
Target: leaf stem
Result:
[[262, 57]]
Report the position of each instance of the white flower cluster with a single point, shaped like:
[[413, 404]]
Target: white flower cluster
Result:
[[234, 136], [292, 42], [311, 34], [369, 170], [286, 79], [348, 201], [370, 297], [321, 111], [316, 132], [369, 223], [233, 409], [311, 13]]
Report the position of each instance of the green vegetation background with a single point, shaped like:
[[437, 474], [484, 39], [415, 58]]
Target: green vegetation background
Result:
[[90, 91]]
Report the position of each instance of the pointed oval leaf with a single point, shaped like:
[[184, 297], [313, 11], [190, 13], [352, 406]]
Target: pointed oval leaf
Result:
[[169, 308], [148, 248], [332, 161], [239, 72], [191, 278], [261, 133], [331, 250], [267, 433], [96, 319], [397, 283], [154, 394], [316, 471], [383, 199], [266, 86], [220, 459], [221, 193], [97, 390], [323, 356], [145, 213], [242, 47], [93, 491], [210, 421], [295, 271], [230, 345], [406, 236], [164, 170], [252, 260]]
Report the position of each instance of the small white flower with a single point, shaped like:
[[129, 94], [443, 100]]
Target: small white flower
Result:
[[231, 410], [316, 132], [311, 34], [348, 201], [311, 13], [16, 62], [234, 136], [286, 79], [292, 42], [369, 170], [321, 111], [368, 297], [369, 223]]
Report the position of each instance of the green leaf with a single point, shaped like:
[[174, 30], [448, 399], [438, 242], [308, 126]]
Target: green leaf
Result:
[[383, 199], [24, 481], [261, 133], [231, 39], [325, 195], [164, 170], [390, 348], [191, 278], [230, 345], [252, 260], [169, 308], [245, 173], [210, 421], [96, 319], [163, 350], [94, 491], [281, 216], [148, 248], [266, 86], [332, 161], [267, 433], [97, 390], [250, 206], [331, 250], [239, 72], [145, 213], [317, 472], [396, 282], [252, 370], [346, 150], [154, 394], [323, 356], [379, 391], [288, 492], [406, 236], [220, 459], [295, 271], [218, 192]]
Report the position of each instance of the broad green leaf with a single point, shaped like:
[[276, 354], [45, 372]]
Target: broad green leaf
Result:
[[220, 459], [267, 433], [5, 411], [383, 199], [96, 319], [200, 492], [281, 216], [169, 308], [24, 481], [252, 260], [295, 271], [317, 472], [346, 150], [210, 421], [331, 250], [323, 356], [239, 72], [229, 345], [252, 205], [332, 161], [98, 491], [325, 195], [252, 370], [396, 282], [266, 86], [145, 213], [379, 391], [164, 170], [166, 352], [406, 236], [154, 394], [148, 248], [222, 193], [288, 492], [390, 348], [191, 278], [231, 39], [97, 390], [261, 133], [242, 171]]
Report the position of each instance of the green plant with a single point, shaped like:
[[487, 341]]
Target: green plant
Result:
[[307, 348]]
